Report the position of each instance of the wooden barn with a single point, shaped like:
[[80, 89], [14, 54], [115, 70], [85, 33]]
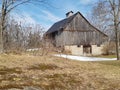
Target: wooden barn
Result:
[[77, 35]]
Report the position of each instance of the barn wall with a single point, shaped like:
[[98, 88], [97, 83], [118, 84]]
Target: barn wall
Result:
[[96, 50], [79, 23], [78, 38], [83, 32], [75, 50]]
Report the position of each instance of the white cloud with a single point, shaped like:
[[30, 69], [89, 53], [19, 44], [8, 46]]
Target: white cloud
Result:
[[23, 18], [86, 2], [51, 17]]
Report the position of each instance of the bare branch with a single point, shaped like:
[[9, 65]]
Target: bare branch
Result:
[[118, 23], [17, 6]]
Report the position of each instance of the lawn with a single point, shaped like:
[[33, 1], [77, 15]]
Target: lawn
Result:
[[53, 73]]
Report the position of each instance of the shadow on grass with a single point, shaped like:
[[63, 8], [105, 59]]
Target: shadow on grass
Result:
[[4, 70], [43, 67]]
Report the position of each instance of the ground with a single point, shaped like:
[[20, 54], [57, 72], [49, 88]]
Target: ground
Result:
[[53, 73]]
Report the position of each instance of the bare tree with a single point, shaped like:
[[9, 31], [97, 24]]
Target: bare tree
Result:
[[98, 16], [34, 40], [6, 7], [115, 12], [107, 13], [19, 38]]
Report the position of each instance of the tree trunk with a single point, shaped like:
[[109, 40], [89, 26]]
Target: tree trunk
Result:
[[1, 39], [3, 25], [1, 30], [117, 42]]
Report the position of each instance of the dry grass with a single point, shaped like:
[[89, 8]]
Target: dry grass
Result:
[[52, 73], [107, 56]]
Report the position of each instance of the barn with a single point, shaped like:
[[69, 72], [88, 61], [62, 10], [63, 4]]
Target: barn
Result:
[[77, 35]]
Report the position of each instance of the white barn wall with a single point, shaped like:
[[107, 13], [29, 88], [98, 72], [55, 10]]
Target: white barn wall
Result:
[[75, 50], [97, 50]]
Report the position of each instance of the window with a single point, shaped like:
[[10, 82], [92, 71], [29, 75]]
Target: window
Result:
[[98, 45], [78, 45]]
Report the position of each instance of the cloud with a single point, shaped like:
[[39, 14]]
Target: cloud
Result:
[[86, 2], [27, 19], [23, 18], [49, 16]]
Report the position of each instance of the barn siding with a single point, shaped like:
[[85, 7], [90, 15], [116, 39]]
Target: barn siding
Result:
[[78, 38]]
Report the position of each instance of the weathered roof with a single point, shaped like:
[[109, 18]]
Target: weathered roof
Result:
[[60, 24], [63, 23]]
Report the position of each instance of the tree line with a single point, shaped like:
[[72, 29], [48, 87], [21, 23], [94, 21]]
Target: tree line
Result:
[[19, 38], [14, 35]]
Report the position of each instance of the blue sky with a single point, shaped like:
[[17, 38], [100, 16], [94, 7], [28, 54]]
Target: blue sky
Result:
[[46, 15]]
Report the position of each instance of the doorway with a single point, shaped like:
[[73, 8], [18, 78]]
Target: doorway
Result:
[[87, 49]]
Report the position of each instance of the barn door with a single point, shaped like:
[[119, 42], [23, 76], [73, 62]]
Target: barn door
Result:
[[87, 49]]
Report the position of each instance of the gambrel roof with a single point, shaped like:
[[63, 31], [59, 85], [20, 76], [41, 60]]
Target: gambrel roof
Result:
[[60, 25]]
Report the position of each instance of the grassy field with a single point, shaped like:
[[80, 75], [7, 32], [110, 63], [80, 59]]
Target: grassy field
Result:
[[108, 56], [53, 73]]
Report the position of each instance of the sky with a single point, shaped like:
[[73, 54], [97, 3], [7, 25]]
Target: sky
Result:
[[47, 14]]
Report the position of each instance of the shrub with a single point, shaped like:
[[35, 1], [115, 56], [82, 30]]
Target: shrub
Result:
[[109, 48]]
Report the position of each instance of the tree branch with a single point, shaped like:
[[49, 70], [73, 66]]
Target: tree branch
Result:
[[17, 5], [118, 9], [118, 23]]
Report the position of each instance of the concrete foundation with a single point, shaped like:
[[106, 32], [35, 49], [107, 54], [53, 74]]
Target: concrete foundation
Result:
[[75, 50], [97, 50], [79, 50]]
